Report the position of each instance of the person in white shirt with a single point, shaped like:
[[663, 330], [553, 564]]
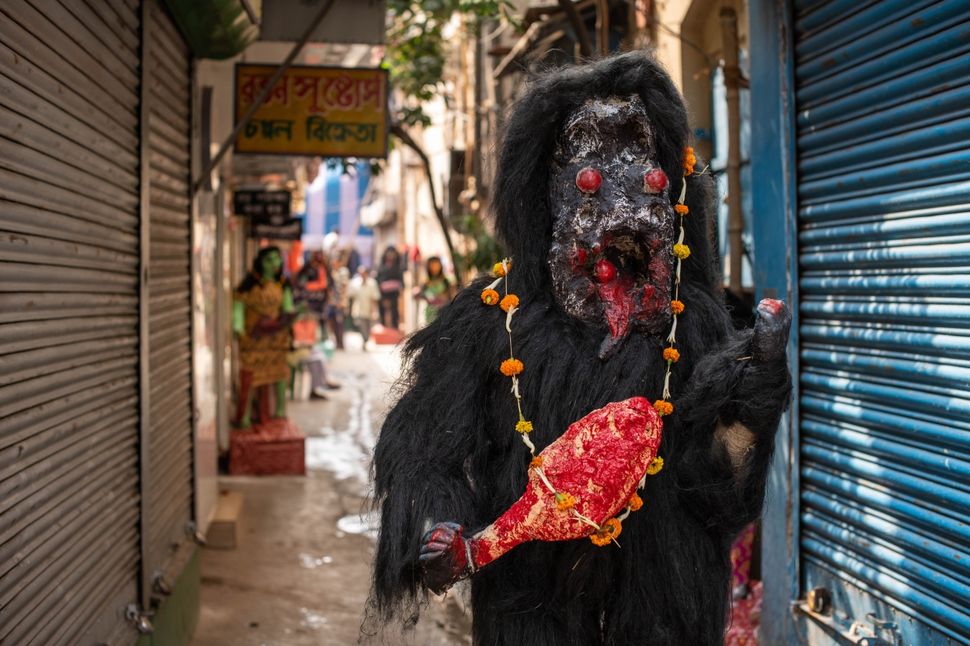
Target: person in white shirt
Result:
[[365, 295]]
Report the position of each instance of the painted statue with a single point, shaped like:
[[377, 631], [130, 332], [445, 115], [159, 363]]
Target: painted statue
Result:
[[583, 433], [263, 312]]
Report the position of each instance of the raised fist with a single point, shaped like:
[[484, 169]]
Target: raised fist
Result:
[[770, 331]]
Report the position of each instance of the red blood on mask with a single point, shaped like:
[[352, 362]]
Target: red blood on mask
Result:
[[649, 291], [577, 258], [654, 181], [604, 271], [588, 180], [649, 303]]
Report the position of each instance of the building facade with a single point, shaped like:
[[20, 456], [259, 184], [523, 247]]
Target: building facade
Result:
[[860, 154], [100, 502]]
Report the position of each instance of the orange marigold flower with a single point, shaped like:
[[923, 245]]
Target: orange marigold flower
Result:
[[655, 466], [609, 531], [671, 354], [663, 407], [681, 250], [523, 426], [676, 307], [564, 501], [536, 462], [511, 367], [499, 270], [489, 296], [635, 502], [510, 301], [689, 160], [681, 209]]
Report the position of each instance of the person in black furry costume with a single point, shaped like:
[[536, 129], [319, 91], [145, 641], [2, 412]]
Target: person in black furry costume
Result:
[[447, 451]]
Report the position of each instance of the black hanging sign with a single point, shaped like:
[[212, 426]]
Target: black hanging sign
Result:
[[262, 204]]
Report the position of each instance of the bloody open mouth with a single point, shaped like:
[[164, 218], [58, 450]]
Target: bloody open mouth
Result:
[[626, 277]]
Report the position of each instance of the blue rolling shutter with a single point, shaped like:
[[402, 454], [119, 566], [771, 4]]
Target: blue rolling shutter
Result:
[[883, 160]]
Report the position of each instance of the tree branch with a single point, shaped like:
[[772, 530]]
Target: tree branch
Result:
[[398, 131]]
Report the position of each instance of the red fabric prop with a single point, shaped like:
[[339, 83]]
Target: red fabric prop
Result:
[[599, 461], [745, 619]]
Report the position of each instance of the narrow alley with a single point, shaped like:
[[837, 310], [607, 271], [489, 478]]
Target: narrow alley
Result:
[[686, 280], [301, 571]]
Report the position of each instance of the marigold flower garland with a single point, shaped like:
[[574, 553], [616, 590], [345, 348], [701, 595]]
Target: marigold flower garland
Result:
[[513, 367], [681, 251]]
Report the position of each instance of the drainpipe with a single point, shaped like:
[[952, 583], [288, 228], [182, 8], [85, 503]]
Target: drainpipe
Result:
[[732, 83], [477, 112], [585, 47], [603, 26]]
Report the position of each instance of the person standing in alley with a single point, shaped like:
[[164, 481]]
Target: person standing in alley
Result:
[[436, 290], [313, 283], [365, 298], [342, 274], [334, 312], [390, 279], [317, 286]]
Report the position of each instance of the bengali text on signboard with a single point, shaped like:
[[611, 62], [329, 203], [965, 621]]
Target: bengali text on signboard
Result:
[[326, 111], [261, 203]]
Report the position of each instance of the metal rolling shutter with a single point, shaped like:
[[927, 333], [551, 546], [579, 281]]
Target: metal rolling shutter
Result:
[[883, 144], [69, 254], [168, 474]]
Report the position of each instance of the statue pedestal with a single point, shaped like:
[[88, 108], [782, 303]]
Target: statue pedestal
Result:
[[275, 447]]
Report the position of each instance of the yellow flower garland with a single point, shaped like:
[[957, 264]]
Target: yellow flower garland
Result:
[[512, 367]]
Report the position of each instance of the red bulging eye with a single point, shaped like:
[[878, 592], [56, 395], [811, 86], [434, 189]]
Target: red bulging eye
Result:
[[654, 181], [588, 180]]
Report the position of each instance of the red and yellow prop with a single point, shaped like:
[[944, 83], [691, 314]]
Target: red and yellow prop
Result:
[[580, 482]]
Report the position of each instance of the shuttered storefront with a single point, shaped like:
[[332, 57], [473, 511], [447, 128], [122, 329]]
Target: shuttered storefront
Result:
[[69, 259], [168, 472], [883, 162]]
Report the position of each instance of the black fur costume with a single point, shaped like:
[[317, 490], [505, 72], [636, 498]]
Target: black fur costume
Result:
[[448, 449]]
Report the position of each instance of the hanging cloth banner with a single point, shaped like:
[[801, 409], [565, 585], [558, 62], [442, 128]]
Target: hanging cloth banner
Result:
[[325, 111]]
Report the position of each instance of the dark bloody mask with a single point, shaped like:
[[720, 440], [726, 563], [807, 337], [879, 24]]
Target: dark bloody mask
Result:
[[613, 223]]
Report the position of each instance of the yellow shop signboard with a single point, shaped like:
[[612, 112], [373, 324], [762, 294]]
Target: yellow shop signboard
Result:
[[326, 111]]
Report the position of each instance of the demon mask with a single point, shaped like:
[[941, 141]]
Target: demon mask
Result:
[[613, 223]]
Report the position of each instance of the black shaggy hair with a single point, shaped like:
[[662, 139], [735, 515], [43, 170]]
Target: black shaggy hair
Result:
[[522, 211], [448, 449]]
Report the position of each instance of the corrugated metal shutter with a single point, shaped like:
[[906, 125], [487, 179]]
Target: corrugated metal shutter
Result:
[[168, 473], [883, 141], [69, 245]]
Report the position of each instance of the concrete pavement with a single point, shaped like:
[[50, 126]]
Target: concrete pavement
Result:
[[301, 573]]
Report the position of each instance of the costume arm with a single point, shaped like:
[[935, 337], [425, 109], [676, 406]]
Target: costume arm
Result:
[[288, 307], [419, 461], [729, 414], [238, 317]]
